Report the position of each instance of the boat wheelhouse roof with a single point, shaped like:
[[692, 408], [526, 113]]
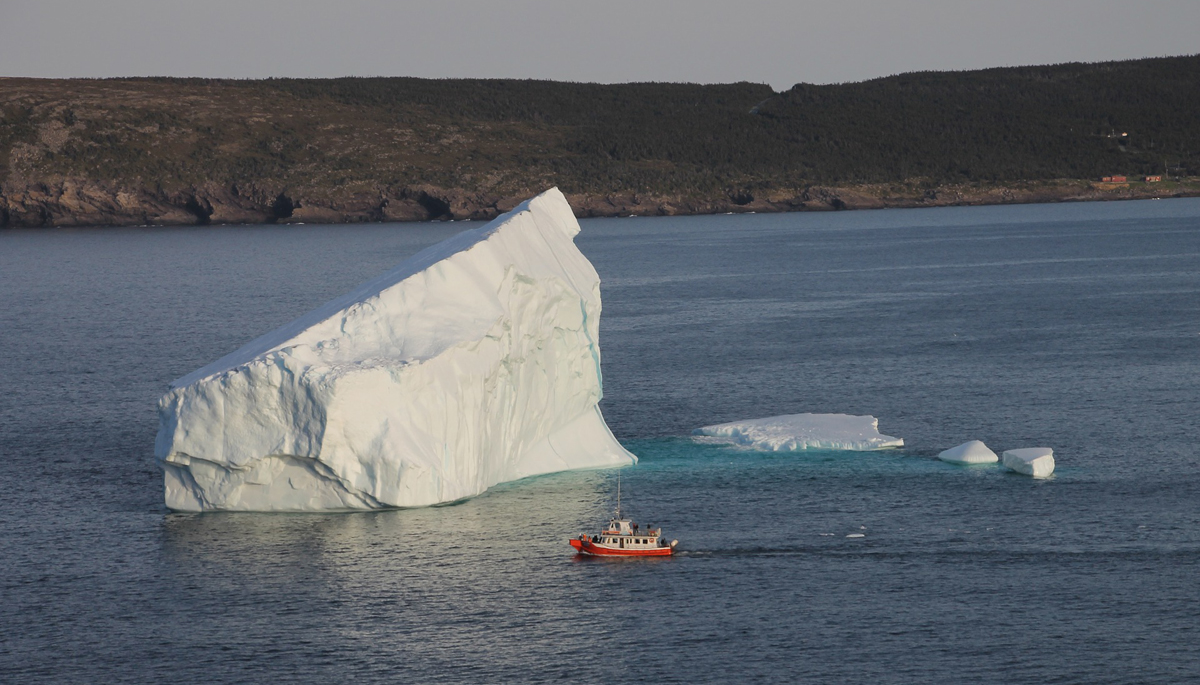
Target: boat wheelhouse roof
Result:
[[625, 527]]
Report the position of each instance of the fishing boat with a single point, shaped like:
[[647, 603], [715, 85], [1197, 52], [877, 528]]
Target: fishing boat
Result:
[[624, 538]]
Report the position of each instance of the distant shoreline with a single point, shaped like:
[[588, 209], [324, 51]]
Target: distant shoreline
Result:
[[79, 204], [170, 151]]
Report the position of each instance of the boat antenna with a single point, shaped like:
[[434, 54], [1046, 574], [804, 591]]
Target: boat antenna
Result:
[[618, 494]]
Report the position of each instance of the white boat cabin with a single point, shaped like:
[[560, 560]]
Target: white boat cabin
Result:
[[625, 534]]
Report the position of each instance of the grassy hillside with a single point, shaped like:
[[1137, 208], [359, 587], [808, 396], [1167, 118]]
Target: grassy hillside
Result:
[[73, 151]]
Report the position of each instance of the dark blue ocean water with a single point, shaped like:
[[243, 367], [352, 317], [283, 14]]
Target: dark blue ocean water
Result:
[[1070, 326]]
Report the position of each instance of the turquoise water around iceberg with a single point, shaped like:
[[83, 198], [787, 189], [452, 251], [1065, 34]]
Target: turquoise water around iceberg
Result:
[[1070, 326]]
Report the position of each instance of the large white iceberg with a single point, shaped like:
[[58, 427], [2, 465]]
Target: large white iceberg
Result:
[[972, 452], [804, 431], [1031, 461], [473, 363]]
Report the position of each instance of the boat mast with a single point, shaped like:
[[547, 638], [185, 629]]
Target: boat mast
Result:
[[618, 494]]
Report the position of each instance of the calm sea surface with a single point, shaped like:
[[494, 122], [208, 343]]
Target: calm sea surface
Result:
[[1072, 326]]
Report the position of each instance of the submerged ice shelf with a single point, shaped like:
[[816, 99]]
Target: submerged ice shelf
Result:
[[805, 431], [473, 363]]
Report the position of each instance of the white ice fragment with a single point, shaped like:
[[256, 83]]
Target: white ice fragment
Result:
[[805, 431], [973, 452], [472, 363], [1031, 461], [856, 535]]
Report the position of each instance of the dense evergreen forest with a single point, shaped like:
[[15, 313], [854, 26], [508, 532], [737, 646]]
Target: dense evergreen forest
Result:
[[1063, 121], [333, 142]]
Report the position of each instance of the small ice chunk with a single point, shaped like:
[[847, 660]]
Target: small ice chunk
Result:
[[1031, 461], [972, 452], [805, 431], [856, 535]]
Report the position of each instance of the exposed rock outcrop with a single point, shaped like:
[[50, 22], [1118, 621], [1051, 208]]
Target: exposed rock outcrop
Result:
[[75, 202]]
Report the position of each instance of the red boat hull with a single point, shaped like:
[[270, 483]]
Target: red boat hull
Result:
[[586, 547]]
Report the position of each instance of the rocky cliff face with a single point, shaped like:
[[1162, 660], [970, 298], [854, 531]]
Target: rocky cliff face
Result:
[[79, 202], [76, 202]]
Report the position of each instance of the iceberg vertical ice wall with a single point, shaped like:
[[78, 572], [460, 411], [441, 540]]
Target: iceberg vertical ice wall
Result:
[[473, 363]]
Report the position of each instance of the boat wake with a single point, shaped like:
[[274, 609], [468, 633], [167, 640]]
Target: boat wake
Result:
[[750, 552]]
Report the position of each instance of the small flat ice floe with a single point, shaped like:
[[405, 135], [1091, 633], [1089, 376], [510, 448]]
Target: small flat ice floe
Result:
[[972, 452], [1031, 461], [803, 432]]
